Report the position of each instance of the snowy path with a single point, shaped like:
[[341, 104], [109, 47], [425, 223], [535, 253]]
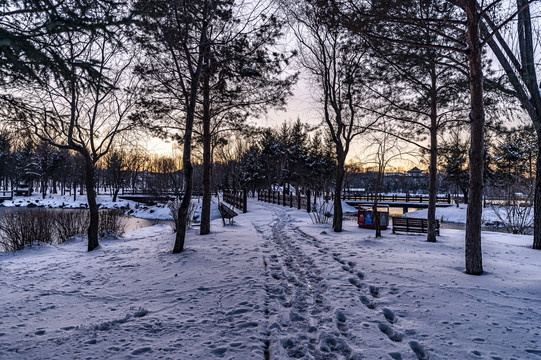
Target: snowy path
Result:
[[313, 294]]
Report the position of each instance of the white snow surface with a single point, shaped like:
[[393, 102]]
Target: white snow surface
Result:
[[156, 212], [271, 286], [160, 211], [456, 214]]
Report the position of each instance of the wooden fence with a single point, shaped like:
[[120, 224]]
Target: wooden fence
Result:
[[299, 201], [392, 198], [6, 195], [236, 198]]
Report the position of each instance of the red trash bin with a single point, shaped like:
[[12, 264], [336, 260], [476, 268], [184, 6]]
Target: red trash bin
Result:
[[365, 218]]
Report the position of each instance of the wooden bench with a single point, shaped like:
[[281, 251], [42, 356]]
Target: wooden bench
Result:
[[226, 213], [412, 225]]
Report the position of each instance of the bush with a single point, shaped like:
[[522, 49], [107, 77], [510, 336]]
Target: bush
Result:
[[190, 217], [322, 212], [111, 221], [69, 223], [517, 218], [21, 228]]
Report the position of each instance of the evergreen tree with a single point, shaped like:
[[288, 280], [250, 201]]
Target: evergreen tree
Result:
[[23, 164], [513, 158], [297, 154], [45, 161], [5, 159], [455, 164], [337, 63], [252, 171]]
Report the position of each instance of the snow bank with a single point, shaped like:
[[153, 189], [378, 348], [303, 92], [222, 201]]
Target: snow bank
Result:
[[454, 214], [159, 211]]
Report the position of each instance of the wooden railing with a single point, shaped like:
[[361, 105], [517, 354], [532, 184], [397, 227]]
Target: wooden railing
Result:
[[393, 198], [6, 195], [299, 200], [236, 198]]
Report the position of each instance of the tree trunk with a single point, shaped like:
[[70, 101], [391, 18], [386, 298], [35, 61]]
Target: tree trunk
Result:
[[537, 197], [433, 167], [375, 215], [207, 160], [338, 214], [92, 204], [184, 207], [44, 188], [115, 194], [474, 262], [465, 193], [529, 76], [432, 187], [188, 177]]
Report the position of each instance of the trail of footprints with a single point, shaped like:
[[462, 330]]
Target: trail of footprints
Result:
[[301, 289], [368, 299]]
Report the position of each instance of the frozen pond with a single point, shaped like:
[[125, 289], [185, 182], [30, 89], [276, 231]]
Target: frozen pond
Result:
[[133, 223]]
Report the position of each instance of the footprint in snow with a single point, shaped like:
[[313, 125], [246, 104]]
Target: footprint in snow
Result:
[[391, 334], [393, 290], [389, 315], [341, 321], [355, 282], [374, 291], [419, 350], [367, 302], [219, 351], [336, 257]]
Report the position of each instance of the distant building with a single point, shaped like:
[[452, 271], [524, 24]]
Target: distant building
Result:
[[415, 172]]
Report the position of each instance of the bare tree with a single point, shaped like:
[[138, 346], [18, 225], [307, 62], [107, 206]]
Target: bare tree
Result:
[[176, 41], [86, 110], [336, 64], [117, 171], [241, 77], [425, 90], [385, 149]]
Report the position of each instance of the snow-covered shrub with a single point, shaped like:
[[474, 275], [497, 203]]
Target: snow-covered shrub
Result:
[[111, 221], [516, 218], [190, 217], [69, 223], [21, 228], [321, 212]]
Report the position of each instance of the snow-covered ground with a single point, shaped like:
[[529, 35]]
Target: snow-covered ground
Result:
[[272, 286], [159, 211], [457, 214]]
